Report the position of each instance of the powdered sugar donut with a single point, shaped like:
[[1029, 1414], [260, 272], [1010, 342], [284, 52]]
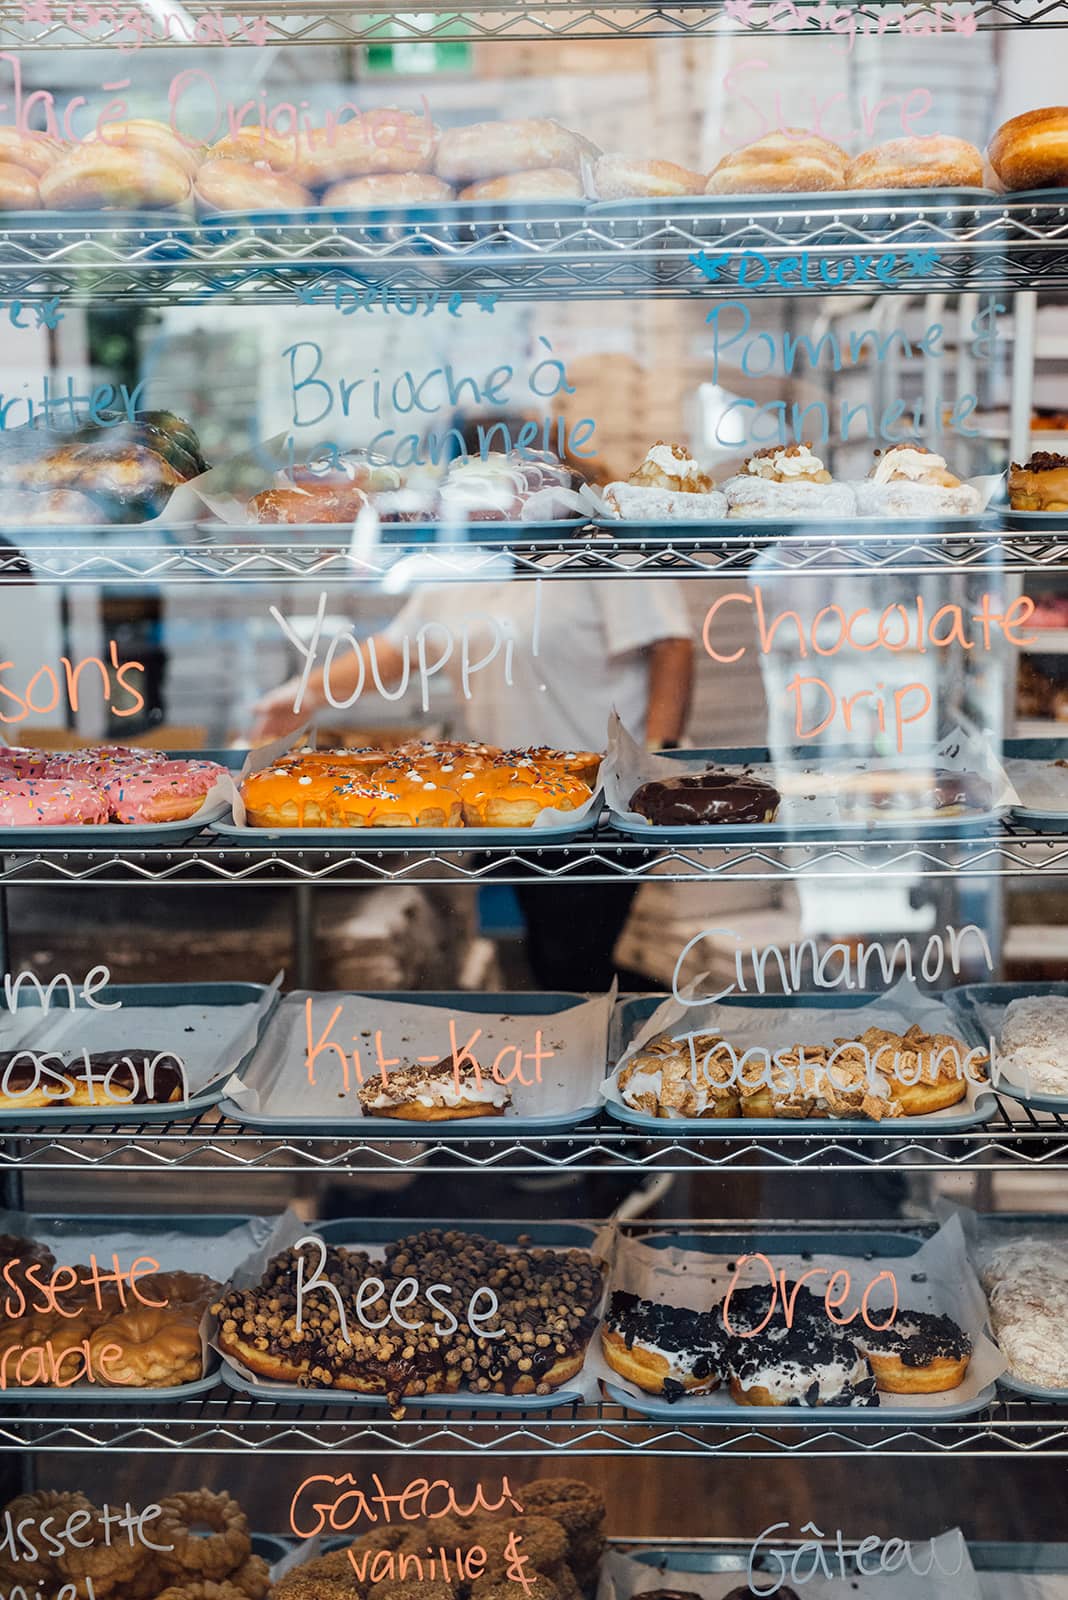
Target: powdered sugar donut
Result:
[[763, 498], [50, 803], [388, 189], [169, 791], [18, 762]]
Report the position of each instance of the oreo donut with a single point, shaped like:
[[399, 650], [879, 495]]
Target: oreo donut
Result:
[[665, 1350], [747, 1313], [715, 795], [919, 1353], [801, 1366]]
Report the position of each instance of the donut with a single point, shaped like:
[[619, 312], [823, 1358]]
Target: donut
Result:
[[441, 1092], [1031, 151], [304, 505], [699, 798], [162, 791], [286, 797], [663, 1349], [18, 188], [584, 764], [145, 135], [388, 189], [382, 140], [58, 508], [619, 178], [800, 1366], [919, 1353], [100, 761], [51, 803], [228, 184], [108, 1563], [253, 1578], [157, 1347], [33, 152], [790, 162], [929, 161], [495, 149], [19, 761], [1041, 484], [908, 480], [512, 794], [40, 1506], [544, 1541], [911, 793], [541, 183], [102, 177], [256, 144], [209, 1556], [783, 481], [570, 1502]]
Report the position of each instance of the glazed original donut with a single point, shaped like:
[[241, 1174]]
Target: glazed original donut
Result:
[[102, 177], [781, 163], [162, 791], [931, 161], [388, 189], [157, 1347], [18, 188], [663, 1349], [919, 1353], [210, 1556], [1031, 151], [512, 794], [51, 803], [34, 152], [382, 140], [231, 185], [256, 144], [801, 1366], [620, 178], [540, 183], [715, 795], [484, 150], [144, 134]]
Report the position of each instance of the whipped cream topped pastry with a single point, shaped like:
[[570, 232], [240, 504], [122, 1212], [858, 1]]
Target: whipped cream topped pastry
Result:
[[434, 1093], [786, 481], [1026, 1283], [908, 480], [669, 485], [1034, 1043], [1041, 484]]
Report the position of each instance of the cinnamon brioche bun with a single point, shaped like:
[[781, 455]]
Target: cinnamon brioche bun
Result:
[[307, 504], [620, 178], [929, 161], [1031, 151], [792, 161]]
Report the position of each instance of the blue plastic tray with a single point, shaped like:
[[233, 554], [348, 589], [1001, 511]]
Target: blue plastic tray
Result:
[[631, 1013], [379, 1230], [163, 995], [523, 1002], [964, 1002], [87, 1228], [872, 1246]]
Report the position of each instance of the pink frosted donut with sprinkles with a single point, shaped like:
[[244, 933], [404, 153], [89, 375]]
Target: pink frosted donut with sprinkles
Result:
[[100, 761], [166, 791], [50, 803], [17, 761]]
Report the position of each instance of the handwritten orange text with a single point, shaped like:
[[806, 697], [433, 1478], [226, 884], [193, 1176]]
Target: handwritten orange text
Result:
[[464, 1061], [421, 1500], [833, 1296]]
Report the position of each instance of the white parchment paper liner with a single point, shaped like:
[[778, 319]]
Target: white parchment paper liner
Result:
[[209, 1040], [275, 1081], [697, 1280], [1039, 785], [289, 1228], [627, 765], [622, 1577], [776, 1028]]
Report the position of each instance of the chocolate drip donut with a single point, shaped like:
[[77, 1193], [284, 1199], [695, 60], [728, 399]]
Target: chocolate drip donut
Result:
[[666, 1350], [716, 795], [919, 1353]]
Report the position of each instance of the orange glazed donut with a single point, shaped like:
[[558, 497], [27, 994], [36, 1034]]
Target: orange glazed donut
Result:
[[781, 163], [288, 797], [512, 795], [1031, 151], [935, 161]]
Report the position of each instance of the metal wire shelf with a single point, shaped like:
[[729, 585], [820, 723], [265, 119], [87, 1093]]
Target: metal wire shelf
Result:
[[581, 553], [604, 857], [1014, 1139], [946, 245], [42, 25]]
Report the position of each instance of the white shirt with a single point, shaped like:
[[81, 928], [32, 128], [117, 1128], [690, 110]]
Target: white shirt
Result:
[[573, 648]]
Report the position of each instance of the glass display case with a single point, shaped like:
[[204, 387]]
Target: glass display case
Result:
[[533, 827]]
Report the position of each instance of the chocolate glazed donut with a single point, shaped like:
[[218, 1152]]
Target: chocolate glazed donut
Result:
[[715, 795]]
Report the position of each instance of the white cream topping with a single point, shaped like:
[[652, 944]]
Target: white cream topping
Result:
[[445, 1093], [663, 457], [781, 465], [790, 1380], [916, 465]]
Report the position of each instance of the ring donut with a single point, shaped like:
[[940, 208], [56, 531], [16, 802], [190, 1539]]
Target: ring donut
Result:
[[484, 150], [107, 177], [208, 1556], [228, 184], [157, 1347]]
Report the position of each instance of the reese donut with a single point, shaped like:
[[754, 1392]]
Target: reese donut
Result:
[[211, 1556], [227, 184], [484, 150], [540, 183], [105, 177], [930, 161], [1031, 151], [51, 803], [716, 795], [664, 1349], [619, 178], [790, 162], [919, 1353], [388, 189]]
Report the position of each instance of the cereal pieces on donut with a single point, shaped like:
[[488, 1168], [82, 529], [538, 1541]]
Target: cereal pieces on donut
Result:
[[789, 162], [1031, 151], [484, 150], [929, 161], [617, 177]]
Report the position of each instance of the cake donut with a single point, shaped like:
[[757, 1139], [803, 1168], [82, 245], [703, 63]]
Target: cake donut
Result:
[[663, 1349], [699, 798], [788, 162], [165, 791], [619, 178], [786, 481], [484, 150], [801, 1366], [232, 185], [1031, 151], [388, 189], [540, 183], [919, 1353], [908, 480], [927, 161], [51, 803], [104, 177]]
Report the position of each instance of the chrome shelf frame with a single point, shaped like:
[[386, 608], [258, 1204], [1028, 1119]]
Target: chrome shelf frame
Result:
[[604, 857], [1015, 1139], [41, 24], [938, 246]]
